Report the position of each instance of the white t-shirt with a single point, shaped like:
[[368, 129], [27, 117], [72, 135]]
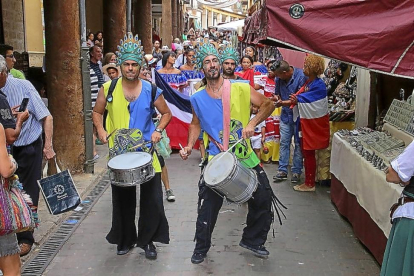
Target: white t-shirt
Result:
[[404, 166]]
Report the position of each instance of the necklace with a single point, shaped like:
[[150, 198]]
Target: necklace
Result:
[[215, 92]]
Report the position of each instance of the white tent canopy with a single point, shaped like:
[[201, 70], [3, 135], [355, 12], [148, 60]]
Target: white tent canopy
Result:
[[231, 26]]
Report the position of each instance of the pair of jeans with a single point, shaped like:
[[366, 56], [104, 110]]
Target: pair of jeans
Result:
[[286, 133]]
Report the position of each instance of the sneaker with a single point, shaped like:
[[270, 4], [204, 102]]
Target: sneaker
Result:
[[198, 258], [201, 163], [96, 157], [259, 250], [170, 195], [295, 178], [280, 176]]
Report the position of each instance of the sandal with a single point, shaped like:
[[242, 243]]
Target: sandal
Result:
[[25, 248], [303, 188]]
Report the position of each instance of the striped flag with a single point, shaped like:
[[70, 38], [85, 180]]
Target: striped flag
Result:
[[314, 116], [180, 106]]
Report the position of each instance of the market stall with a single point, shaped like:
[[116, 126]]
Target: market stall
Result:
[[354, 33]]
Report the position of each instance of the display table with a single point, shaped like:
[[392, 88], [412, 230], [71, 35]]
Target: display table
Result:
[[362, 195]]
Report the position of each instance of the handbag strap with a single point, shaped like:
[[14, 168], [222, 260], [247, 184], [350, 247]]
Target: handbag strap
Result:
[[225, 98], [47, 166]]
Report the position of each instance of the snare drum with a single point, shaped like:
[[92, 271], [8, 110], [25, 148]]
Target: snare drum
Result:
[[227, 176], [131, 169]]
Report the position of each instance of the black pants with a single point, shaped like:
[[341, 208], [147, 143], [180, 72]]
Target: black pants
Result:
[[29, 159], [152, 223], [259, 217]]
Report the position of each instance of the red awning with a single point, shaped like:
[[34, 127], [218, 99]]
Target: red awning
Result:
[[377, 34]]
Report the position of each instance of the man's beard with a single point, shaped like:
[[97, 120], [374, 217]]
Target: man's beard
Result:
[[130, 78], [227, 74], [211, 75]]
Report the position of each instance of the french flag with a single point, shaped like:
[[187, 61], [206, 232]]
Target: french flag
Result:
[[180, 106], [314, 116]]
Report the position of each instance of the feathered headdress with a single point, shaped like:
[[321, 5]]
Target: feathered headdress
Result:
[[203, 51], [230, 53], [130, 49]]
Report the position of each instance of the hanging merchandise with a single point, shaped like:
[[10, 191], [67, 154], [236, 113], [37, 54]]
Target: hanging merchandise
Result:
[[341, 93]]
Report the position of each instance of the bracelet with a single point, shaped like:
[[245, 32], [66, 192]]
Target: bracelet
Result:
[[15, 164]]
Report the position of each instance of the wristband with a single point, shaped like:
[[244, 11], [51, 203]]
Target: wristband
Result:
[[158, 130]]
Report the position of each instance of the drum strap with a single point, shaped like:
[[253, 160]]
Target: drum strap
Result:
[[226, 113]]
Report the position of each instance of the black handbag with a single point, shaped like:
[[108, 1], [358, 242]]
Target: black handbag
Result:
[[59, 191]]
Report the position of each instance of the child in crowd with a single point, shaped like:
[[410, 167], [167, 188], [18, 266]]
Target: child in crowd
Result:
[[259, 132]]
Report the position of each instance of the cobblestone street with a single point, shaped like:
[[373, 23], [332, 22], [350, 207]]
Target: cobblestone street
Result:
[[313, 240]]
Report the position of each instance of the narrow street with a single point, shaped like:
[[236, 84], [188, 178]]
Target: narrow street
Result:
[[313, 240]]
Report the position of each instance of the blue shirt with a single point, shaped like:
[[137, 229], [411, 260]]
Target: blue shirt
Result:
[[140, 111], [285, 88], [16, 90], [211, 121]]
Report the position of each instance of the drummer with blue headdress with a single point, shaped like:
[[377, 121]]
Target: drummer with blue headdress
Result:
[[230, 60], [130, 103], [222, 109]]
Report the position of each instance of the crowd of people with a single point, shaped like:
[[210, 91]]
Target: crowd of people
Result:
[[271, 105]]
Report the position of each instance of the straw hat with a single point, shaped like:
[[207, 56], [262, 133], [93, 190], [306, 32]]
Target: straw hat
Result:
[[150, 59], [110, 65]]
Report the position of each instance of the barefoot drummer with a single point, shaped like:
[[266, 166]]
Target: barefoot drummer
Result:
[[131, 107], [208, 112]]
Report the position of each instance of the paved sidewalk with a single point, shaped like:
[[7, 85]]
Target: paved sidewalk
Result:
[[314, 239], [84, 182]]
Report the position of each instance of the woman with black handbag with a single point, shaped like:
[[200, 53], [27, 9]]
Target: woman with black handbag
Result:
[[9, 249]]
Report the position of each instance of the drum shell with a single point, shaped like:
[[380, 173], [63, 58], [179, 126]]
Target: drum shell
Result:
[[132, 177], [238, 186]]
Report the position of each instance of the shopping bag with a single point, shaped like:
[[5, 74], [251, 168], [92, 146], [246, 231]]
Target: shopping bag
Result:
[[59, 191], [15, 213]]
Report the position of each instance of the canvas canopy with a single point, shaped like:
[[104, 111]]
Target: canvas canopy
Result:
[[378, 35], [230, 26]]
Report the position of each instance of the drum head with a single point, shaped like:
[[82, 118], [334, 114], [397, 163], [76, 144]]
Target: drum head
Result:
[[219, 168], [129, 160]]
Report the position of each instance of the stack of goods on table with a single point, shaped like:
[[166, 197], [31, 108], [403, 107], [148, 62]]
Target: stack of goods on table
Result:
[[379, 148]]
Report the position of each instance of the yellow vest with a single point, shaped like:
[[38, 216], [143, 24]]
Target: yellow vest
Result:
[[118, 116]]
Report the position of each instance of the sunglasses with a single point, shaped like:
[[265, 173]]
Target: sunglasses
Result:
[[9, 56], [275, 65]]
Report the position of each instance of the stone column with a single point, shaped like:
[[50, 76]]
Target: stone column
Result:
[[204, 15], [114, 23], [143, 23], [180, 20], [219, 18], [166, 25], [64, 81], [210, 18], [174, 18]]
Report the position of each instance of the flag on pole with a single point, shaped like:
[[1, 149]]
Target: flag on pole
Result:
[[180, 106]]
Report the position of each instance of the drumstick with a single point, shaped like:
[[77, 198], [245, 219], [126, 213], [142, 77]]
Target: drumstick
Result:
[[110, 134], [229, 149], [140, 145], [182, 148]]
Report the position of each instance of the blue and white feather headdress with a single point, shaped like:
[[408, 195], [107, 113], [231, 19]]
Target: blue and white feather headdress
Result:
[[229, 53], [130, 49]]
